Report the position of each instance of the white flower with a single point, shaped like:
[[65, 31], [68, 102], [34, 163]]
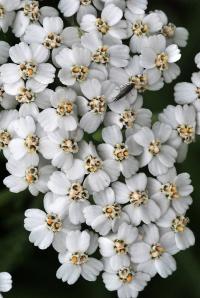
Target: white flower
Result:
[[186, 93], [137, 6], [116, 247], [140, 26], [154, 253], [176, 225], [99, 173], [4, 52], [81, 7], [25, 144], [63, 113], [28, 66], [6, 101], [107, 214], [60, 147], [122, 151], [119, 3], [7, 13], [106, 51], [76, 66], [173, 34], [109, 23], [27, 174], [7, 131], [30, 12], [182, 119], [49, 226], [75, 193], [158, 155], [5, 282], [172, 190], [93, 106], [141, 79], [124, 279], [197, 60], [141, 205], [128, 116], [76, 261], [160, 58], [51, 35]]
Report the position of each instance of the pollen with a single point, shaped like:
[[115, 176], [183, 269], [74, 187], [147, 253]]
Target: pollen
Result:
[[65, 108], [5, 139], [2, 12], [101, 56], [25, 95], [69, 146], [102, 26], [126, 275], [120, 152], [154, 147], [156, 251], [31, 143], [80, 72], [28, 70], [112, 211], [32, 175], [52, 41], [77, 192], [32, 10], [170, 190], [140, 82], [138, 198], [179, 224], [139, 28], [93, 164], [168, 30], [97, 105], [85, 2], [186, 132], [127, 118], [79, 258], [53, 222], [162, 61], [120, 247]]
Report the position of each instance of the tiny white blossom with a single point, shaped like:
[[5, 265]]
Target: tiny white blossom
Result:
[[5, 282], [4, 52], [7, 13]]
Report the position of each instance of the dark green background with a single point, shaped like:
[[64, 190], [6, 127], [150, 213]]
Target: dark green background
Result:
[[34, 270]]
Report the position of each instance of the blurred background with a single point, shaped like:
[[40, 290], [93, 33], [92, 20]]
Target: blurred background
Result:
[[34, 270]]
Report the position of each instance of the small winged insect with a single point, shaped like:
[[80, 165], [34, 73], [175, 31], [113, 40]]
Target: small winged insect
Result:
[[123, 91]]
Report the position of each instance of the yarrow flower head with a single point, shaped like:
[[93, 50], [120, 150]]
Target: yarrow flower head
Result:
[[75, 131]]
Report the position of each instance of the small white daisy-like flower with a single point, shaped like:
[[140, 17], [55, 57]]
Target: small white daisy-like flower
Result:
[[140, 26], [139, 78], [124, 279], [50, 226], [197, 60], [173, 34], [98, 173], [157, 154], [77, 196], [51, 35], [107, 215], [109, 23], [122, 151], [141, 206], [76, 66], [116, 247], [4, 52], [106, 51], [30, 12], [137, 6], [7, 101], [186, 93], [93, 104], [7, 13], [128, 116], [63, 113], [176, 225], [29, 65], [7, 132], [160, 58], [60, 147], [76, 261], [25, 144], [182, 119], [26, 174], [154, 253], [172, 190], [5, 282]]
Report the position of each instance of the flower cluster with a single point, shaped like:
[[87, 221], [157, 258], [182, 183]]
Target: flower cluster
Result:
[[74, 129]]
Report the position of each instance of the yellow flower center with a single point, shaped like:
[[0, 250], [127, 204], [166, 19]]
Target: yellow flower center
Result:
[[65, 108], [168, 30], [92, 164], [179, 224], [32, 175], [138, 198], [80, 72], [139, 28], [162, 61], [170, 191], [156, 251], [31, 143], [77, 192], [126, 275], [102, 26], [53, 222], [112, 211], [28, 70], [32, 10], [127, 118], [69, 146], [154, 147], [186, 132], [97, 105], [120, 247], [140, 82], [25, 95], [5, 138], [120, 152], [79, 258], [2, 12], [85, 2], [52, 41], [102, 55]]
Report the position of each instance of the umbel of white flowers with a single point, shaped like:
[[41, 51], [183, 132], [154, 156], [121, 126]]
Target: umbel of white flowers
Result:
[[74, 129]]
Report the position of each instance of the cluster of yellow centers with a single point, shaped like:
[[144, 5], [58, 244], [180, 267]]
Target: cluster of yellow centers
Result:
[[53, 222], [138, 198], [112, 211], [126, 275], [77, 192], [31, 175], [32, 10]]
